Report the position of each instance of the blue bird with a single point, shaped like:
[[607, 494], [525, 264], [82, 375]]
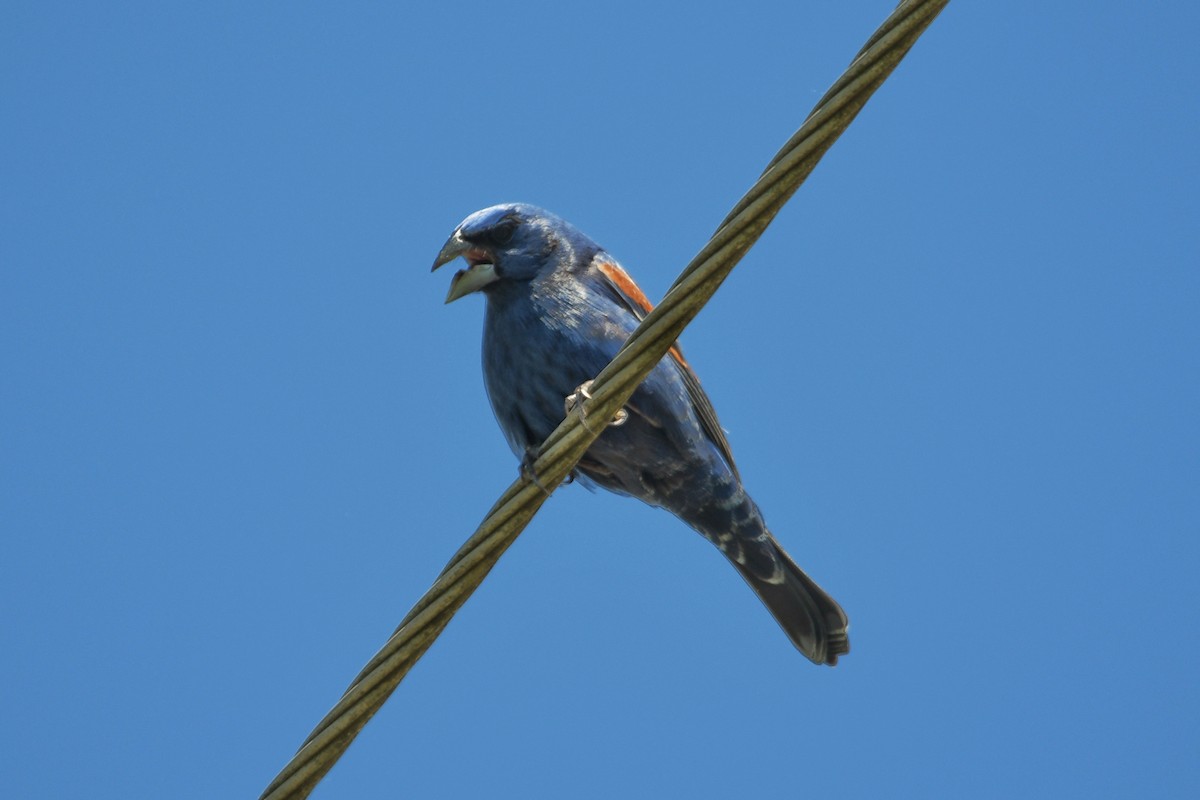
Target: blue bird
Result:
[[558, 309]]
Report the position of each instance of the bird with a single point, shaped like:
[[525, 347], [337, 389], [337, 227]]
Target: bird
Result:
[[558, 307]]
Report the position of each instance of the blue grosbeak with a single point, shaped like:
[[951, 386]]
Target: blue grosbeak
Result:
[[558, 309]]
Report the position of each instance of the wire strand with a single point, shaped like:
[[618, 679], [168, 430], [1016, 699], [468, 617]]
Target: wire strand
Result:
[[610, 391]]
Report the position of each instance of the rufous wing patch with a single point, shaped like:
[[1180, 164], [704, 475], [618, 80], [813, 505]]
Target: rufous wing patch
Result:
[[620, 278], [636, 297]]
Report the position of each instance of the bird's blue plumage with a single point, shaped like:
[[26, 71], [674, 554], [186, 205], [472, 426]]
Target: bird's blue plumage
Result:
[[558, 309]]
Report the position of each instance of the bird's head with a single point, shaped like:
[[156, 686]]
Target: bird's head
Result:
[[510, 242]]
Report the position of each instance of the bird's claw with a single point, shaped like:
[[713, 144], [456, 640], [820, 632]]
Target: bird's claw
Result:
[[584, 392], [528, 471]]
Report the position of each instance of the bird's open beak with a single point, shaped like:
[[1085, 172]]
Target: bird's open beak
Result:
[[477, 275]]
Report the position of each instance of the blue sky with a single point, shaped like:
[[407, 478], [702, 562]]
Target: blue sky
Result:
[[242, 434]]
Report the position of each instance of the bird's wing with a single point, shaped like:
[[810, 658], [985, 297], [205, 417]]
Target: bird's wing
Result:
[[622, 288]]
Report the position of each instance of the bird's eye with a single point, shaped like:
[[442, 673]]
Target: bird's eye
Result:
[[502, 232]]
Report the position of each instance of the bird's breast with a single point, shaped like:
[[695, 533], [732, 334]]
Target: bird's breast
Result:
[[533, 358]]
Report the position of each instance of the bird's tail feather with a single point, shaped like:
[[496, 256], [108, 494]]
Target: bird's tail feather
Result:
[[811, 618]]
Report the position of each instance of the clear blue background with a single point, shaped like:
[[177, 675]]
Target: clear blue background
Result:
[[241, 434]]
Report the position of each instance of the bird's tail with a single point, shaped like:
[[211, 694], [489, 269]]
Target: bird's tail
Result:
[[811, 618]]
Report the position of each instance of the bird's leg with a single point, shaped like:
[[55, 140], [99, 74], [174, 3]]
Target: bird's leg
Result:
[[527, 470], [584, 392]]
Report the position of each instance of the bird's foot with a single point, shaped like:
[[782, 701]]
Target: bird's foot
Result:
[[528, 471], [527, 468], [584, 392]]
